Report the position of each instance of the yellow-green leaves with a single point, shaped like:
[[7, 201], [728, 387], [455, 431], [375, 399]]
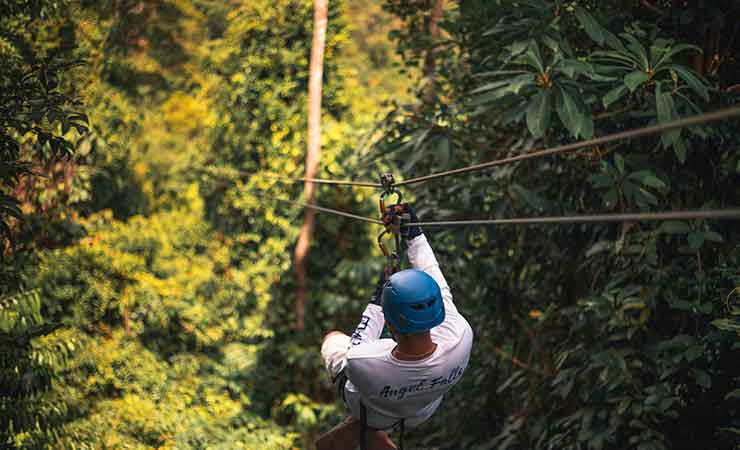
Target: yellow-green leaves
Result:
[[20, 311]]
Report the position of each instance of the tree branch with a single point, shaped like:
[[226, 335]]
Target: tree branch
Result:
[[517, 362], [545, 359], [652, 7]]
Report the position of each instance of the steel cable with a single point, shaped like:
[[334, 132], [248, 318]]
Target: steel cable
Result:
[[681, 123], [622, 135], [320, 208], [722, 214], [728, 214], [322, 181]]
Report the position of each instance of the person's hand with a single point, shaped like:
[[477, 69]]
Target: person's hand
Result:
[[407, 215], [377, 297]]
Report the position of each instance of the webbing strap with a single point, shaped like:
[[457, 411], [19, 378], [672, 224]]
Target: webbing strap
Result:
[[403, 425], [363, 427]]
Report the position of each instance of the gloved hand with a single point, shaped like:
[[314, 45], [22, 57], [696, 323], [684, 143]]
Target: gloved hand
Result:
[[407, 216], [377, 297]]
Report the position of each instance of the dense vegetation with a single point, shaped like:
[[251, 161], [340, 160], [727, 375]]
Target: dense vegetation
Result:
[[146, 286]]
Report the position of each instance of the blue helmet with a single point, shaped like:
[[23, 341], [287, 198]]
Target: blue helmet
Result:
[[412, 302]]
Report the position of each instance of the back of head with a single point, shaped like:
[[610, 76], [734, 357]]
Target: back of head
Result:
[[412, 302]]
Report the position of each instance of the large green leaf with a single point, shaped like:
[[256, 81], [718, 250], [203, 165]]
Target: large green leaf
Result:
[[638, 50], [489, 86], [622, 60], [614, 95], [697, 84], [533, 57], [520, 82], [538, 113], [635, 79], [491, 96], [645, 197], [569, 113], [673, 51], [679, 149], [514, 114], [595, 31], [590, 25], [573, 67], [619, 162], [517, 48], [648, 178], [587, 124], [666, 112], [600, 180]]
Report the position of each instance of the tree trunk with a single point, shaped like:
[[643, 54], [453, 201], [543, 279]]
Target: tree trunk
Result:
[[313, 152]]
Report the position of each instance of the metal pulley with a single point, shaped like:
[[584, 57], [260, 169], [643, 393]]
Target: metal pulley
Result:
[[392, 226]]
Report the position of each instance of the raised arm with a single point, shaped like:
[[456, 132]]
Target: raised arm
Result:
[[420, 253], [422, 257], [372, 322]]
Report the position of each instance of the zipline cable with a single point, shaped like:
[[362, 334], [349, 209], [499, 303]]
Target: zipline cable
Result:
[[320, 208], [286, 179], [622, 135], [721, 214], [323, 181], [727, 214]]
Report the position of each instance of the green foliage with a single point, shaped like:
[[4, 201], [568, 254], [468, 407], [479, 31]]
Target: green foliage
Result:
[[546, 73], [587, 336], [38, 110], [149, 301], [153, 258], [32, 355], [166, 341]]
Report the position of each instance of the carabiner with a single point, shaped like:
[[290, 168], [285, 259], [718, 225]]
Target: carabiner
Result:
[[388, 183], [393, 260]]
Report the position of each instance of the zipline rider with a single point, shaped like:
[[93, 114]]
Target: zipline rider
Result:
[[399, 382]]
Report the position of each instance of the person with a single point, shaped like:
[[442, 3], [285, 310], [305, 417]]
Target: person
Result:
[[399, 382]]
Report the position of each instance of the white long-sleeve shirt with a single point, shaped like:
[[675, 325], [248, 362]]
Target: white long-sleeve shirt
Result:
[[393, 389]]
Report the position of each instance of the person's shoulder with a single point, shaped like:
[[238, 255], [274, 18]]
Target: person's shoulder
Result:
[[365, 361], [374, 349]]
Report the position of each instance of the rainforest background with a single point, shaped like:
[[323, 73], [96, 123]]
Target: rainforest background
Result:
[[147, 294]]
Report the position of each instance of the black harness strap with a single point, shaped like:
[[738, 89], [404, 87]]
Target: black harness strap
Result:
[[363, 427], [403, 425]]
